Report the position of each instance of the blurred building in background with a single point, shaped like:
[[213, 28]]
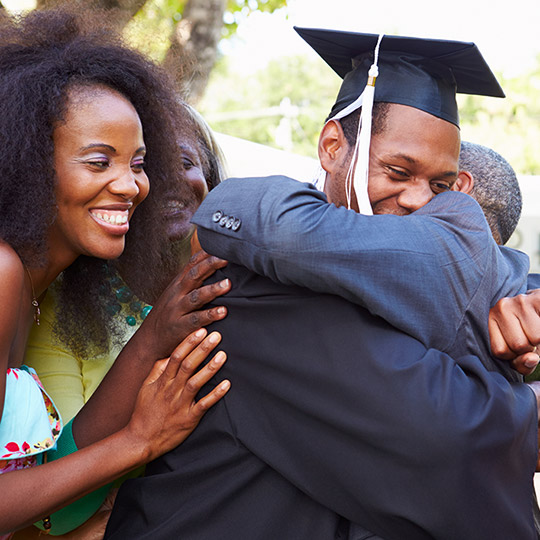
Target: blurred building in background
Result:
[[527, 235]]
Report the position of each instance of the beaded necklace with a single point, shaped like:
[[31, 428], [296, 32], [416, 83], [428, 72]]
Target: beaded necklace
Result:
[[127, 301]]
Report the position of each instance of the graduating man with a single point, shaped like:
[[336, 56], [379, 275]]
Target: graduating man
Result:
[[426, 274], [339, 425]]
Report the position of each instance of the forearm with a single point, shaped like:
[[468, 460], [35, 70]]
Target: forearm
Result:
[[385, 423], [70, 517], [110, 407], [59, 483], [290, 234]]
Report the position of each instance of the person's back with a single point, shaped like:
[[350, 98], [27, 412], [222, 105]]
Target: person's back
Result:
[[316, 428], [357, 416], [425, 273]]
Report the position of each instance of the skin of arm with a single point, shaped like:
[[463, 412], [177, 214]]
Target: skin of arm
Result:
[[13, 319]]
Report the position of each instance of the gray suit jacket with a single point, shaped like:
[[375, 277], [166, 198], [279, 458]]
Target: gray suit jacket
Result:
[[335, 416], [433, 274]]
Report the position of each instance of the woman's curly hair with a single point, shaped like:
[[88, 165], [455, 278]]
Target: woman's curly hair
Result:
[[42, 55]]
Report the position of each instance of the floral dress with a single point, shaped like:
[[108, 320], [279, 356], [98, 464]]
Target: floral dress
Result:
[[30, 423]]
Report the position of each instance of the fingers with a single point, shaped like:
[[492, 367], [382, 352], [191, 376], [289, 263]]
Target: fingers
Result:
[[529, 318], [200, 408], [198, 298], [189, 381], [157, 370], [187, 358], [499, 347], [197, 319], [514, 326], [183, 350], [200, 266], [197, 381], [526, 363], [506, 337]]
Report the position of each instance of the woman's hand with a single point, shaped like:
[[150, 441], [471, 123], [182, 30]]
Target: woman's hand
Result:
[[178, 311], [165, 413], [166, 410], [176, 314]]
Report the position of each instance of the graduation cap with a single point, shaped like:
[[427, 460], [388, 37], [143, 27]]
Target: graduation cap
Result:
[[422, 73]]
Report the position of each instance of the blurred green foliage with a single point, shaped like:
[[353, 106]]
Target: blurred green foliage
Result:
[[238, 10], [150, 29], [310, 85], [510, 126]]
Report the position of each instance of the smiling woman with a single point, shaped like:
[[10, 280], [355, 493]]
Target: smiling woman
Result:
[[99, 163], [87, 126]]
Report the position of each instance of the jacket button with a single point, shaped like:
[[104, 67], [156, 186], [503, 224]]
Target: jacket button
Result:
[[217, 216], [230, 222], [223, 221], [236, 224]]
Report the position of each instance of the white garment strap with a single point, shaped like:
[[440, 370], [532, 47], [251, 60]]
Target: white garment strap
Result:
[[319, 180]]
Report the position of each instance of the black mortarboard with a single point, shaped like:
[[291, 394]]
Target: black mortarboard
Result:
[[421, 73]]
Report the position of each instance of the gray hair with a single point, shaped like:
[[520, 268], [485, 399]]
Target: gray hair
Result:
[[496, 188]]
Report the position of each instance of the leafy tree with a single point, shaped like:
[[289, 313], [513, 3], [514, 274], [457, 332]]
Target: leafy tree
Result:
[[511, 126], [245, 106], [252, 106], [183, 33]]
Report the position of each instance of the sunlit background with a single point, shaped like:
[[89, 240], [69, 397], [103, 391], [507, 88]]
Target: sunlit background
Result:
[[271, 89]]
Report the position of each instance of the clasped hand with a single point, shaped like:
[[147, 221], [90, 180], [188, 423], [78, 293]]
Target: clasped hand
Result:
[[514, 330]]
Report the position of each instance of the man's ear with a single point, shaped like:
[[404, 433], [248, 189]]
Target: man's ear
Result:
[[332, 143], [464, 182]]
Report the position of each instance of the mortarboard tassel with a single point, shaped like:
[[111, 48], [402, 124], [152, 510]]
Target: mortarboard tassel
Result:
[[359, 167]]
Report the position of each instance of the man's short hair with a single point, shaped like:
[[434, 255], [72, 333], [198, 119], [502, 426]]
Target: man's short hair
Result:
[[496, 188], [349, 123]]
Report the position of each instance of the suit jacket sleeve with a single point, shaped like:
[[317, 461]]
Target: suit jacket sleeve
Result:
[[364, 419], [533, 281], [419, 272]]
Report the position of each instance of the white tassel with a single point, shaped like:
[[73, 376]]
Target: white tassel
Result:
[[355, 105], [359, 169], [358, 172]]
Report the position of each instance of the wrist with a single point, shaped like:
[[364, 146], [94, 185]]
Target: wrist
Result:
[[141, 347], [140, 449]]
